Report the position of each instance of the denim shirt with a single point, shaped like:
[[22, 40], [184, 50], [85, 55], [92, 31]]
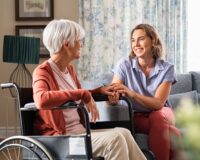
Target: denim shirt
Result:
[[132, 76]]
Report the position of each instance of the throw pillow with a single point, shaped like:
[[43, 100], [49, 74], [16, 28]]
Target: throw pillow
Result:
[[196, 81], [183, 84], [175, 99]]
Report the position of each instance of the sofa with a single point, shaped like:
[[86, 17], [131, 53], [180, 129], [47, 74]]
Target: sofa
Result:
[[187, 86]]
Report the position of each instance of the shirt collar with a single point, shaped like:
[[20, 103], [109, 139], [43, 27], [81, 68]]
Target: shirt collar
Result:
[[158, 66], [135, 65]]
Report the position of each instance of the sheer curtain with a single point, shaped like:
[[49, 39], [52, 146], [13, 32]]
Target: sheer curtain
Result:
[[108, 24]]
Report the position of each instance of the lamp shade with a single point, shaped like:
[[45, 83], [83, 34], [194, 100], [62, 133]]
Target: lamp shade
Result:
[[20, 49]]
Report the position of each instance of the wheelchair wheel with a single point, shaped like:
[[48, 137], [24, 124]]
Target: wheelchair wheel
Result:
[[148, 154], [23, 148]]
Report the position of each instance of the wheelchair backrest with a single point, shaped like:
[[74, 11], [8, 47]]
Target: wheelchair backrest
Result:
[[27, 117], [26, 95]]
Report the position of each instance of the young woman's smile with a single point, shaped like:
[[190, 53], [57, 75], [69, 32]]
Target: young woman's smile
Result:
[[141, 43]]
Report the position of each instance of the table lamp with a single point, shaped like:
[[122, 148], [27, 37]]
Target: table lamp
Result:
[[21, 50]]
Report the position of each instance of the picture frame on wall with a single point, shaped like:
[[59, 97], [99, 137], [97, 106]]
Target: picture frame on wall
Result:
[[34, 10], [33, 31]]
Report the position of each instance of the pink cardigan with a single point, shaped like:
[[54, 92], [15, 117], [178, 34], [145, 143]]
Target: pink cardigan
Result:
[[46, 94]]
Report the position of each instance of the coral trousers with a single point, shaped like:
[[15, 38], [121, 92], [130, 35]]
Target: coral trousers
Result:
[[159, 125]]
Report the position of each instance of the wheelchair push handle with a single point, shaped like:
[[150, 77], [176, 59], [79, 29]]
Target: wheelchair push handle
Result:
[[7, 85]]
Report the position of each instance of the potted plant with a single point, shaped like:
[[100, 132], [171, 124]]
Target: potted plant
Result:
[[188, 120]]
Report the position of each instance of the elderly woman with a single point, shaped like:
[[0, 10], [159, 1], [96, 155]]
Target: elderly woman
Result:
[[55, 82]]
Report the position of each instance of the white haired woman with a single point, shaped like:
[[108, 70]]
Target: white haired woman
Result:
[[55, 82]]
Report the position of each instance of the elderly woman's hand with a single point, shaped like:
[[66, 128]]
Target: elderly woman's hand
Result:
[[93, 110], [113, 96], [107, 90], [113, 99]]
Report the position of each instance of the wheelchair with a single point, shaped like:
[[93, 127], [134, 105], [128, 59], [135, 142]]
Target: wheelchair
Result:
[[36, 147]]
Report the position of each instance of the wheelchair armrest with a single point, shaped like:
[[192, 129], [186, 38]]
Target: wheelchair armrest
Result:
[[68, 105], [101, 97], [31, 106]]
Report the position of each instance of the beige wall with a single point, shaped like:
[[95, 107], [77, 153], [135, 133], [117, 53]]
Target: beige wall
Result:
[[62, 9]]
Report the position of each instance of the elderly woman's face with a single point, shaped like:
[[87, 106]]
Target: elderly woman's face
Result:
[[141, 44], [76, 49]]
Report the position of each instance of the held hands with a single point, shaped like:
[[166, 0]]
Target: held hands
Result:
[[117, 90], [113, 91], [121, 89], [91, 105], [113, 99], [107, 90], [113, 96]]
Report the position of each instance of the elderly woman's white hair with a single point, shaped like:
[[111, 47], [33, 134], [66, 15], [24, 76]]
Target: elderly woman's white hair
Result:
[[59, 31]]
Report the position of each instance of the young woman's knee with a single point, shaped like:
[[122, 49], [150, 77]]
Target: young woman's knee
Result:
[[163, 116]]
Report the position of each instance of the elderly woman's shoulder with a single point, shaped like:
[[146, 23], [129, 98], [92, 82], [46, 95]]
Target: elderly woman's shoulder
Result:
[[43, 68], [43, 65]]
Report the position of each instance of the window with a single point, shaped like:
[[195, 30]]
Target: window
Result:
[[193, 52]]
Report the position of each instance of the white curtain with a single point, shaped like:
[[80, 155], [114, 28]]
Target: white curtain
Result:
[[108, 24]]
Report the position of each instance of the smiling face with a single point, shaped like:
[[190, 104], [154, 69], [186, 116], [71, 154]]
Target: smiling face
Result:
[[141, 44], [145, 39], [75, 50]]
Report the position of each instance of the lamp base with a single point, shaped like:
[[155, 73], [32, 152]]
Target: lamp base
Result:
[[22, 77]]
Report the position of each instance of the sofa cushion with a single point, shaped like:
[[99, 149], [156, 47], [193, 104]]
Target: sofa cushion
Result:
[[142, 140], [198, 94], [183, 84], [176, 98], [195, 81]]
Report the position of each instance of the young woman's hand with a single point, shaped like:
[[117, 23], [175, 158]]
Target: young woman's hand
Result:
[[107, 90], [121, 89]]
